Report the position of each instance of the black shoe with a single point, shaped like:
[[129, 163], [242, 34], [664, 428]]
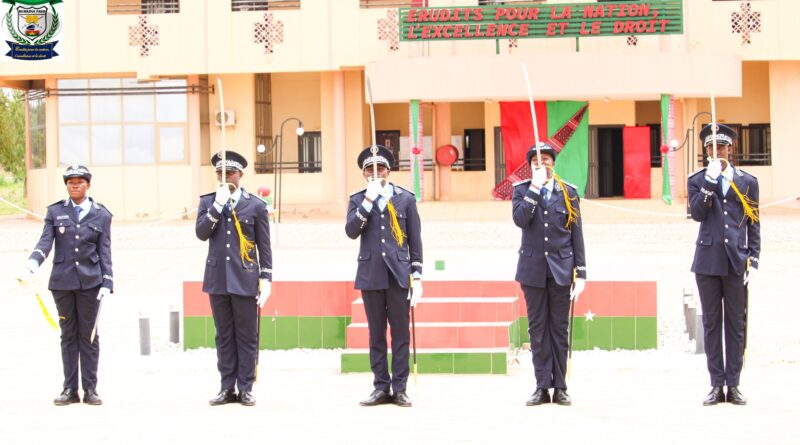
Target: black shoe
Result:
[[246, 398], [402, 399], [539, 396], [561, 397], [735, 396], [224, 396], [90, 397], [717, 395], [377, 397], [67, 397]]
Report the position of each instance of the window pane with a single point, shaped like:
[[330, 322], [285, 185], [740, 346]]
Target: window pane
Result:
[[140, 144], [106, 108], [73, 109], [138, 108], [171, 144], [107, 144], [171, 107], [73, 144]]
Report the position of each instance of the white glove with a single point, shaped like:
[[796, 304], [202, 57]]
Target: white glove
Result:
[[265, 290], [27, 271], [223, 195], [539, 177], [577, 289], [749, 275], [104, 291], [415, 293], [714, 169], [374, 188]]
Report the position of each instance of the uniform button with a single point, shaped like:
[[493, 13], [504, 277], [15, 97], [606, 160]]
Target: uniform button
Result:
[[545, 224], [546, 253], [229, 232], [383, 240], [383, 253], [229, 220], [77, 237], [725, 212], [76, 263], [545, 238], [382, 227], [227, 245], [726, 240], [726, 226], [227, 258], [724, 200], [381, 216], [78, 226], [545, 212], [76, 249]]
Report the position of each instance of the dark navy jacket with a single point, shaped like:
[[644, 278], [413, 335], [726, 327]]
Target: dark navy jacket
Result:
[[379, 249], [726, 235], [545, 239], [225, 274], [82, 259]]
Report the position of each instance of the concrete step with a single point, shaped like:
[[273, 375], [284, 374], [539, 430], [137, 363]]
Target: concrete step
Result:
[[456, 335], [455, 309]]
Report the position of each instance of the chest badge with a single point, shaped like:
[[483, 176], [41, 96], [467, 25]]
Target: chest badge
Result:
[[62, 229]]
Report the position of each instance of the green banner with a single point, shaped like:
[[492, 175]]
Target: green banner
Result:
[[572, 163], [542, 20], [32, 2], [415, 138], [666, 191]]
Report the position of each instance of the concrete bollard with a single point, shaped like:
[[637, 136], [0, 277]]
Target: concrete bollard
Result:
[[699, 333], [690, 321], [144, 335], [174, 326]]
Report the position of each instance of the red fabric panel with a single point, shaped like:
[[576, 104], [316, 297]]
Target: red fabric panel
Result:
[[636, 160], [517, 127]]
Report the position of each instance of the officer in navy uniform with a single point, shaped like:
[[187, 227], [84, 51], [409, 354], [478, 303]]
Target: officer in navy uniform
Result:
[[238, 283], [385, 270], [552, 253], [81, 277], [727, 241]]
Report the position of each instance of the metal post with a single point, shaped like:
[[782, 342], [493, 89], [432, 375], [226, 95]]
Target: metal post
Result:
[[278, 188], [144, 335], [174, 326]]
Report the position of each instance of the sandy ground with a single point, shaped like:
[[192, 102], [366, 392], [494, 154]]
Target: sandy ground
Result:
[[619, 397]]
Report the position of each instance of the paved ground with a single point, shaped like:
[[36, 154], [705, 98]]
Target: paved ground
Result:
[[648, 396]]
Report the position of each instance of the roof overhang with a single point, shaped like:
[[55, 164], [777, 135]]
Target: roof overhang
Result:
[[556, 76]]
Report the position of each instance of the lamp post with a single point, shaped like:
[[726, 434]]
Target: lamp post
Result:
[[277, 188], [690, 136]]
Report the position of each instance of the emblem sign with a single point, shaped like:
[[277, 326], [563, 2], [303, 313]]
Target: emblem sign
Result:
[[62, 229], [29, 28]]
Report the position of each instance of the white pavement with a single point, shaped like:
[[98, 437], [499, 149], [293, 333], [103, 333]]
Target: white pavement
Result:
[[619, 397]]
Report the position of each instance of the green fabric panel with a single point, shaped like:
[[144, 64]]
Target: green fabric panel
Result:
[[646, 333], [211, 333], [623, 332], [472, 363], [333, 332], [499, 363], [666, 193], [572, 163], [309, 332], [267, 334], [580, 341], [355, 363], [435, 363], [599, 333], [194, 332], [286, 333]]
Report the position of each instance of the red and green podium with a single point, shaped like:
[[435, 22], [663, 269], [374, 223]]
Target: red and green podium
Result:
[[462, 326]]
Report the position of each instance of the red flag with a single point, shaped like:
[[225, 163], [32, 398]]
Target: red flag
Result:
[[636, 159], [517, 128]]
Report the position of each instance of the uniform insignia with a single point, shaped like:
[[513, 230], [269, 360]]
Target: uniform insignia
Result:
[[62, 217], [62, 229]]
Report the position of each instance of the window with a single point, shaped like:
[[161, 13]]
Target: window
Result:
[[474, 150], [36, 113], [391, 140], [122, 121], [263, 5], [264, 161], [136, 7], [753, 145], [655, 145], [309, 152]]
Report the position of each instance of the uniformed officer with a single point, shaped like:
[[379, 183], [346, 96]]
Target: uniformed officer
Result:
[[238, 275], [724, 199], [385, 217], [551, 268], [81, 277]]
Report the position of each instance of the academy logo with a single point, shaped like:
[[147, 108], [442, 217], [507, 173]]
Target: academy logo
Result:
[[29, 27]]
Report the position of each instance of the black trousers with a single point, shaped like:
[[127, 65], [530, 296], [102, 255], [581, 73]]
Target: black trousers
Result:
[[548, 323], [381, 305], [723, 299], [77, 311], [236, 321]]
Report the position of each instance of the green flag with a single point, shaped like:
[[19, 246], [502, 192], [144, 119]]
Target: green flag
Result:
[[666, 191], [572, 163]]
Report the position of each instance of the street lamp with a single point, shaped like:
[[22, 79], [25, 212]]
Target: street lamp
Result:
[[277, 188], [691, 154]]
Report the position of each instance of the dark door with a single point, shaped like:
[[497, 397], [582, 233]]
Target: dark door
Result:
[[499, 157], [391, 140], [610, 176], [474, 150]]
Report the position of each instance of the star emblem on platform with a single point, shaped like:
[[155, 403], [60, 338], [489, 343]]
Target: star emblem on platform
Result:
[[589, 315]]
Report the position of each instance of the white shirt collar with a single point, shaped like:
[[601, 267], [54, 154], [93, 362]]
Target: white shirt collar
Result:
[[236, 195], [728, 172], [86, 205], [549, 185]]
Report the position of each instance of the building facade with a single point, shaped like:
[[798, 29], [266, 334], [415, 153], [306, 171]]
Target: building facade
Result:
[[133, 95]]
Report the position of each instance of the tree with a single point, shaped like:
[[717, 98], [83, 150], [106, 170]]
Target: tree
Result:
[[12, 132]]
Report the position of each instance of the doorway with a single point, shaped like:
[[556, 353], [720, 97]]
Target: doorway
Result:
[[606, 168]]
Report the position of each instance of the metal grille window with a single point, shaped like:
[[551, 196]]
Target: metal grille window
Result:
[[36, 113], [264, 160], [753, 145], [655, 145], [474, 151], [263, 5], [138, 7], [309, 152]]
